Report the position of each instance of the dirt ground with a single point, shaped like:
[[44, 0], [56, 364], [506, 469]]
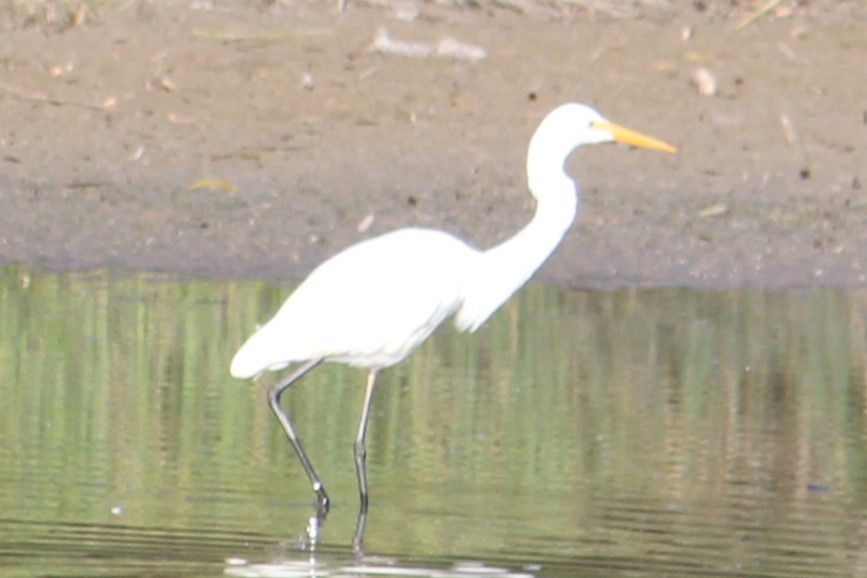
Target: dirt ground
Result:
[[310, 136]]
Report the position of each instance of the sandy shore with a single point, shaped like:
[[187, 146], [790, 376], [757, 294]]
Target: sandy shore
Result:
[[240, 140]]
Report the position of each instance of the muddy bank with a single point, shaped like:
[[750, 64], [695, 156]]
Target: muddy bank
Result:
[[314, 140]]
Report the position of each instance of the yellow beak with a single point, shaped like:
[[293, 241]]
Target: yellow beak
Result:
[[631, 137]]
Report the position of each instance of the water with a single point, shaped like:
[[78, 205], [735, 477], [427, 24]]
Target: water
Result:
[[630, 433]]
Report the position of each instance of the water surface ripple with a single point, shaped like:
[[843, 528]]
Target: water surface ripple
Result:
[[660, 432]]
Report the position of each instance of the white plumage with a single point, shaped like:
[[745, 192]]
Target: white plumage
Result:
[[368, 306]]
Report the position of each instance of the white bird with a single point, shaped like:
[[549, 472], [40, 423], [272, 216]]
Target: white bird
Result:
[[373, 303]]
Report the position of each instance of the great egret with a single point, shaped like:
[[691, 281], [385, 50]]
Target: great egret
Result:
[[373, 303]]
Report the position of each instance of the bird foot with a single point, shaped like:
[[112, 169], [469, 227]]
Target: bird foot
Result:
[[323, 502]]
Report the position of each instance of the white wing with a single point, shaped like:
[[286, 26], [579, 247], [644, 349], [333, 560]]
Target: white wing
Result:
[[370, 305]]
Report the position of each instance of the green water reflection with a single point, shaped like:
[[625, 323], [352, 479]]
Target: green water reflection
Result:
[[636, 432]]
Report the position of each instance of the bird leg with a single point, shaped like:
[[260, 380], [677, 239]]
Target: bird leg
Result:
[[360, 463], [274, 394], [360, 445], [358, 538]]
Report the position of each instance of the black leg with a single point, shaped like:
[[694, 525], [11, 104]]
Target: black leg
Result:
[[361, 462], [360, 445], [274, 401], [358, 539]]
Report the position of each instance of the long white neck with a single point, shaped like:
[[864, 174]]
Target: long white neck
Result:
[[502, 270]]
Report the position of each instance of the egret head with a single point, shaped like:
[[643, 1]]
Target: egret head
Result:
[[573, 124], [570, 126]]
